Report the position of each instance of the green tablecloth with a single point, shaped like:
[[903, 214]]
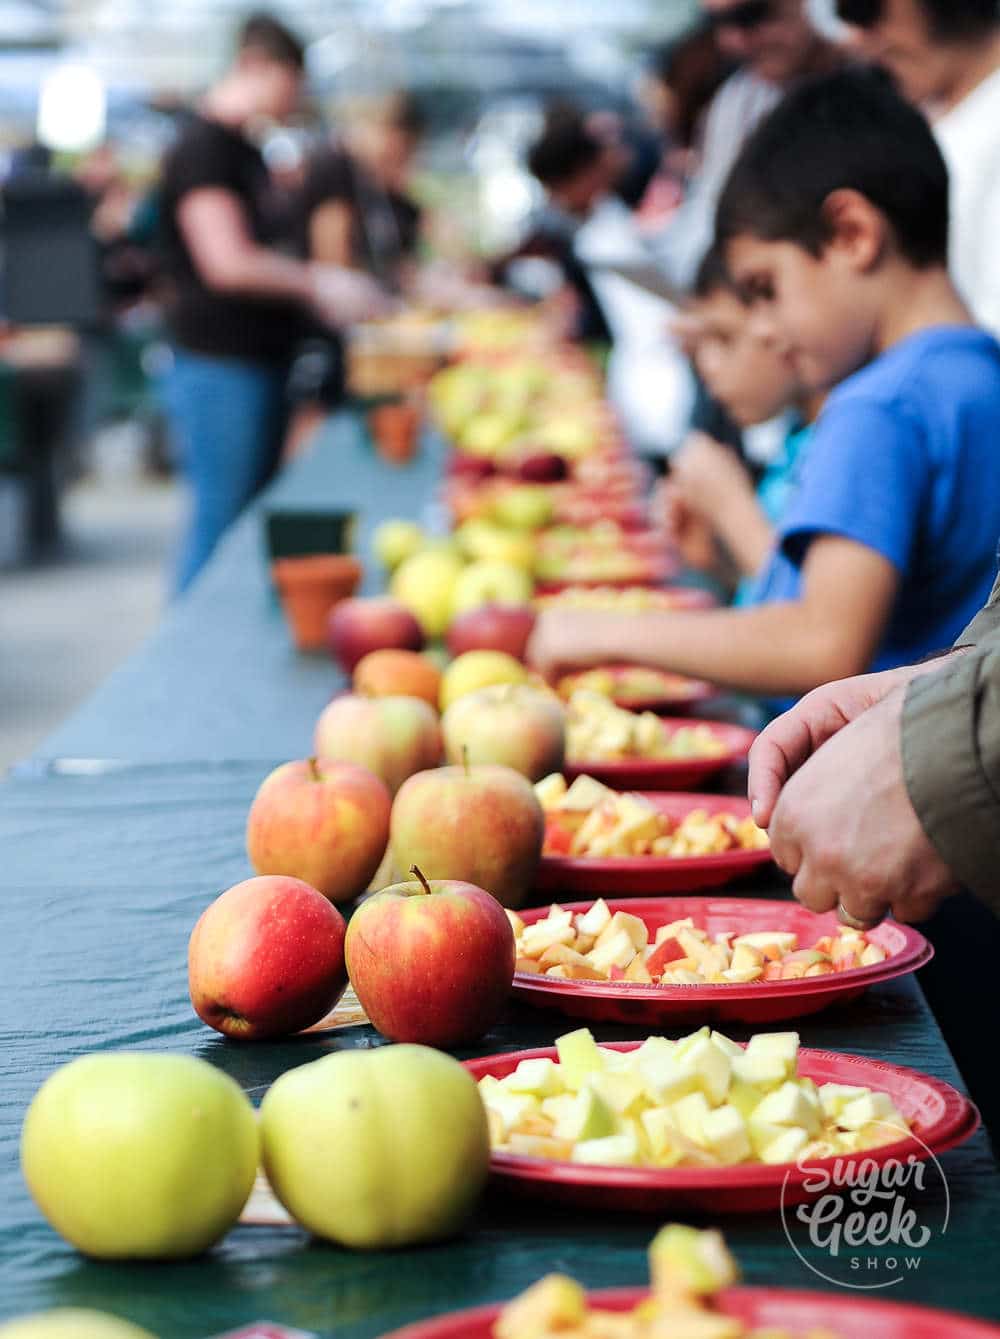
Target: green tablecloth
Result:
[[103, 878]]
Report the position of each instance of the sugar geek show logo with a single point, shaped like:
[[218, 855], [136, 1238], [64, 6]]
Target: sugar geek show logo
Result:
[[866, 1223]]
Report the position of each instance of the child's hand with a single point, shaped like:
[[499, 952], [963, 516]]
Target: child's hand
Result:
[[709, 475], [686, 530], [569, 639]]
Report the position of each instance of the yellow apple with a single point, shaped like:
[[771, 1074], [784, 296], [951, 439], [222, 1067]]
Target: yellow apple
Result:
[[395, 541], [490, 583], [132, 1155], [478, 669], [71, 1323], [511, 724], [524, 507], [425, 583], [374, 1149], [484, 541]]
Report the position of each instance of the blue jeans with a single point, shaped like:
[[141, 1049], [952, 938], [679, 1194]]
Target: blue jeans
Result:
[[226, 418]]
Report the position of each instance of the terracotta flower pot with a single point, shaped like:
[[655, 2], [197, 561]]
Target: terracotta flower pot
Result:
[[395, 429], [309, 588]]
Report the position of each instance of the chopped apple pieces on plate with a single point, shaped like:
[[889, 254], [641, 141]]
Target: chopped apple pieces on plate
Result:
[[599, 731], [598, 945], [702, 1101], [590, 820]]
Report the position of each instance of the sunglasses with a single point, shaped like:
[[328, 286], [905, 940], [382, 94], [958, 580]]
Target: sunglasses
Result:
[[748, 14]]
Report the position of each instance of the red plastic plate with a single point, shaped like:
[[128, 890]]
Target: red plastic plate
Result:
[[671, 773], [772, 1308], [940, 1116], [655, 874], [756, 1003], [678, 693]]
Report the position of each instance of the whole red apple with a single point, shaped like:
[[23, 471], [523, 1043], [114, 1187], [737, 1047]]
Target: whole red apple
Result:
[[431, 962], [390, 736], [362, 625], [492, 627], [483, 825], [321, 821], [543, 467], [266, 959]]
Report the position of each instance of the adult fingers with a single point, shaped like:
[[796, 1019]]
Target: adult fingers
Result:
[[775, 755]]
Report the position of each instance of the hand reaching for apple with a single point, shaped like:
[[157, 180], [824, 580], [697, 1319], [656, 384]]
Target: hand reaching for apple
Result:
[[572, 638], [843, 825]]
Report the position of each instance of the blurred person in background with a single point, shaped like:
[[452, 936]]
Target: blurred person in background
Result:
[[721, 519], [577, 169], [675, 93], [356, 205], [237, 305], [775, 45], [945, 55]]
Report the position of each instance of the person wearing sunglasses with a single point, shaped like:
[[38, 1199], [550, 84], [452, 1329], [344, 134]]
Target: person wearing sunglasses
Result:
[[945, 56], [775, 45]]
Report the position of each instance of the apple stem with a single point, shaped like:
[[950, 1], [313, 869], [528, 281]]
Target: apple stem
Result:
[[465, 758], [418, 874], [314, 770]]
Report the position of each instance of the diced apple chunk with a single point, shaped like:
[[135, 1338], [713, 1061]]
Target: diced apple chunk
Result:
[[587, 1116], [786, 1147], [616, 1150], [579, 1055], [789, 1105], [622, 1092], [552, 1304], [863, 1110], [686, 1262], [689, 1116], [725, 1133], [617, 950], [540, 1077], [592, 922]]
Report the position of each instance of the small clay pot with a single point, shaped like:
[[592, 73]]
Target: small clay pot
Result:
[[395, 430], [309, 588]]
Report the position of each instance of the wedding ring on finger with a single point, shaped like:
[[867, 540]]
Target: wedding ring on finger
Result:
[[855, 922]]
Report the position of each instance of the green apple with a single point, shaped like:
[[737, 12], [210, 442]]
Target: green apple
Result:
[[484, 541], [134, 1155], [485, 583], [71, 1323], [425, 584], [395, 541], [524, 507], [374, 1149]]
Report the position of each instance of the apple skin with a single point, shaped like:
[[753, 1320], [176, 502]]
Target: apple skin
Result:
[[70, 1322], [511, 724], [394, 673], [493, 627], [482, 825], [377, 1148], [394, 737], [132, 1155], [478, 669], [485, 582], [543, 468], [359, 626], [325, 821], [266, 959], [433, 967]]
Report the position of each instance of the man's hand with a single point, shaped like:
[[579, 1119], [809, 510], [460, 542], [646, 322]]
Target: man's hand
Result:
[[844, 827]]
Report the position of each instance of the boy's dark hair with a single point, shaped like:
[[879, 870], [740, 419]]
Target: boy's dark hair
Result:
[[850, 130], [269, 37], [713, 274], [948, 20], [564, 149]]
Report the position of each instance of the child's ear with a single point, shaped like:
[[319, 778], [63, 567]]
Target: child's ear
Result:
[[856, 229]]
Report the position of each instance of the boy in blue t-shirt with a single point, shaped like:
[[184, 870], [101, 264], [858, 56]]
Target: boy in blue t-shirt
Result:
[[835, 227]]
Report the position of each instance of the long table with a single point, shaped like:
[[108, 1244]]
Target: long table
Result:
[[107, 867]]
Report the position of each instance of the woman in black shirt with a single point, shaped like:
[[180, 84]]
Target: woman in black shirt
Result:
[[237, 306]]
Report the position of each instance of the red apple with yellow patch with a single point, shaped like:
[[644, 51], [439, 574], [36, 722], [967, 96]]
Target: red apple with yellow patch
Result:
[[322, 821], [431, 962], [267, 959], [390, 736], [481, 825]]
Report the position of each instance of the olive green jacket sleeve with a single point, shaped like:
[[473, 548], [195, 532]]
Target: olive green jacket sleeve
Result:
[[951, 755]]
